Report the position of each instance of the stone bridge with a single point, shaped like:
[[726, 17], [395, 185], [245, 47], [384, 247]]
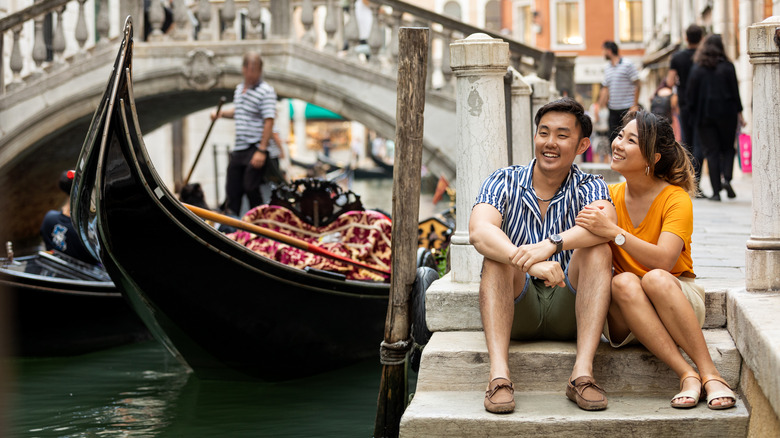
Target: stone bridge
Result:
[[46, 109]]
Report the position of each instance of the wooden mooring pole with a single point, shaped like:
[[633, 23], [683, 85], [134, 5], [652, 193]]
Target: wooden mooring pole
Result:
[[410, 104]]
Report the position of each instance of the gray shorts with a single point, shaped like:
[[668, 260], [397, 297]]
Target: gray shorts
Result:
[[544, 312]]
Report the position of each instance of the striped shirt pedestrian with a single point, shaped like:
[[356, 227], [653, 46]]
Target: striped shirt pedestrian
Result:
[[252, 108]]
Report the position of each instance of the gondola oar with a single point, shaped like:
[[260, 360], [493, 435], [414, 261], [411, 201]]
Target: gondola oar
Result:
[[197, 157], [279, 237]]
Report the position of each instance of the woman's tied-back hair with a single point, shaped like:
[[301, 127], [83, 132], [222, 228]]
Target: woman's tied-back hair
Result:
[[656, 135], [710, 52], [571, 106]]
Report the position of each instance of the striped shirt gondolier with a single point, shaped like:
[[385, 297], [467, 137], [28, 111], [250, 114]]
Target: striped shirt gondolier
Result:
[[252, 108], [510, 191], [620, 80]]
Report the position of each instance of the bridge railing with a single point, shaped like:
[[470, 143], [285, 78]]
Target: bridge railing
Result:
[[50, 34]]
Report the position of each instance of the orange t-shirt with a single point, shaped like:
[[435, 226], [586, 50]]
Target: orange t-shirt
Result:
[[672, 211]]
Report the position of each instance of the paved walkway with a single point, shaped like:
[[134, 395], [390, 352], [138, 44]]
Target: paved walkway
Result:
[[720, 233]]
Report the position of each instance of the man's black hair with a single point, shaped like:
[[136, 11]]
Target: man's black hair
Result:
[[611, 46], [694, 34], [571, 106]]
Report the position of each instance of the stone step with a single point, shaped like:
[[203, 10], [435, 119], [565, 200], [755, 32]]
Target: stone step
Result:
[[452, 306], [550, 414], [458, 361]]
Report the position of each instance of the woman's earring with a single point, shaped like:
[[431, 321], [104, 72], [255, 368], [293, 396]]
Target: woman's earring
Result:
[[647, 170]]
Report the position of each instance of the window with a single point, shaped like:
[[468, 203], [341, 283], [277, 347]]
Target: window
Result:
[[452, 10], [630, 21], [493, 15], [524, 26], [568, 23]]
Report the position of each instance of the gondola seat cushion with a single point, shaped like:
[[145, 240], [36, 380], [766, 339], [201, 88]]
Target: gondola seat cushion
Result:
[[360, 235]]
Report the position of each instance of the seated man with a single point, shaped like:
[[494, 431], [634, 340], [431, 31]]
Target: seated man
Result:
[[57, 229], [540, 270]]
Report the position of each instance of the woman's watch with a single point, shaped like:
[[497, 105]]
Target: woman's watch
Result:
[[620, 239]]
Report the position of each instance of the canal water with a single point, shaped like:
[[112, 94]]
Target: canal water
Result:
[[140, 390]]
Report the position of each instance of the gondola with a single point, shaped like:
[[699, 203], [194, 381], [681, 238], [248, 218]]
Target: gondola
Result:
[[222, 309], [60, 306]]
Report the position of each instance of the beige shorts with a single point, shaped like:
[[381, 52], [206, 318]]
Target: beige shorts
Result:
[[693, 293]]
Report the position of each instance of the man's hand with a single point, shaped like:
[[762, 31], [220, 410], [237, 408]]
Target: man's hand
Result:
[[258, 159], [594, 220], [527, 256], [549, 271]]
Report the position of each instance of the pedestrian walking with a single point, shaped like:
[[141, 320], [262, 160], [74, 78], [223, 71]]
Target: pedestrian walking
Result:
[[713, 98], [620, 88], [679, 71]]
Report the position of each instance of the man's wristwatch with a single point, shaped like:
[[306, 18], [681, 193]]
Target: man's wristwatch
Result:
[[620, 239], [558, 241]]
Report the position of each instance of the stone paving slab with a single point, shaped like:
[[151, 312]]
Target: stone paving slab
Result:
[[551, 414]]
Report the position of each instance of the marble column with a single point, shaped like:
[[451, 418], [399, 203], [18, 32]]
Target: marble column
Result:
[[522, 120], [479, 63], [762, 264]]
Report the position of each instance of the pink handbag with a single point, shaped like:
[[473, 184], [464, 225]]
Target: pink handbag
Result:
[[745, 153]]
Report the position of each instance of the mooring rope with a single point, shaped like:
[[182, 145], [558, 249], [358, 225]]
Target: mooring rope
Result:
[[395, 353]]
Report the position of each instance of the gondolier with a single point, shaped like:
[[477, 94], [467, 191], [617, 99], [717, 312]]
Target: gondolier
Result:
[[254, 110]]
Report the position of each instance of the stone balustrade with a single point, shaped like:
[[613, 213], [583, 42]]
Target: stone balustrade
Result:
[[53, 33]]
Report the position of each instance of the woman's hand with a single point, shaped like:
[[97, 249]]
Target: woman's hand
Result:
[[595, 221]]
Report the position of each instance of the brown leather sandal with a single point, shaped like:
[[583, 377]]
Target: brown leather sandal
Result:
[[695, 395], [587, 394], [723, 393], [500, 396]]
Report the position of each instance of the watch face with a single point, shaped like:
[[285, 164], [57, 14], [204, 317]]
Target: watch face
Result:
[[620, 239], [556, 238]]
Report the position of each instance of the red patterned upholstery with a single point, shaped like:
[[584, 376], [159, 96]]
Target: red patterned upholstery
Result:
[[362, 235]]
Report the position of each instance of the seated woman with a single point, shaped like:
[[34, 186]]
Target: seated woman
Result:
[[654, 297]]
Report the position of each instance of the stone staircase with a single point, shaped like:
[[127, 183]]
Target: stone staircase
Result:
[[455, 366]]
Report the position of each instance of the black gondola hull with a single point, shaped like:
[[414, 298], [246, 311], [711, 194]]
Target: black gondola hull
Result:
[[221, 308]]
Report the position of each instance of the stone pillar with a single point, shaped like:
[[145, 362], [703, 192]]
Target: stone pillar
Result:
[[479, 63], [540, 94], [762, 264], [522, 120]]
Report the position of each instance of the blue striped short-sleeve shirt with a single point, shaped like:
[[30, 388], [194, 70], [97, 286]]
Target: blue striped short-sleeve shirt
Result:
[[510, 191], [252, 108], [620, 80]]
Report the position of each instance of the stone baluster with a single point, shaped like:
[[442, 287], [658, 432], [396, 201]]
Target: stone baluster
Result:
[[182, 30], [352, 33], [762, 267], [540, 91], [58, 42], [393, 47], [280, 18], [16, 63], [102, 24], [330, 27], [229, 19], [446, 70], [39, 47], [522, 120], [156, 19], [82, 34], [204, 18], [307, 20], [376, 39], [479, 63], [254, 12]]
